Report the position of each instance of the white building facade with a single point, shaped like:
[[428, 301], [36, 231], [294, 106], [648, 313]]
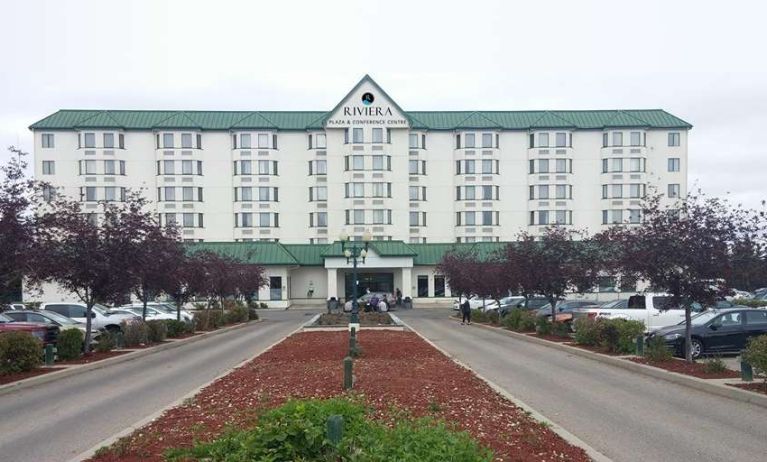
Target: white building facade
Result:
[[419, 177]]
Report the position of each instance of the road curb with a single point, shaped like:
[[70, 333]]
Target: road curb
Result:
[[73, 370], [130, 429], [595, 455], [655, 372]]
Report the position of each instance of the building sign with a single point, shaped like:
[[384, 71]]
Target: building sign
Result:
[[365, 110]]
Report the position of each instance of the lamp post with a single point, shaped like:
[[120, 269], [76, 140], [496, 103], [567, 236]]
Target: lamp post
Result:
[[353, 251]]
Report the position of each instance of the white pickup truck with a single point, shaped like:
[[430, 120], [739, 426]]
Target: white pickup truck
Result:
[[651, 308]]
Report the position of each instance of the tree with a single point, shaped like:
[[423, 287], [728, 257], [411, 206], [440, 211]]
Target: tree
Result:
[[221, 281], [687, 249], [187, 281], [250, 278], [84, 257], [460, 268], [558, 262], [17, 195]]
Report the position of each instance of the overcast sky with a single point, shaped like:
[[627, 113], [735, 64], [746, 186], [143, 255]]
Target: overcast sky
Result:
[[703, 61]]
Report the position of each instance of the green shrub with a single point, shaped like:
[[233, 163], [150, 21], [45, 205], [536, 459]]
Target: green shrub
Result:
[[158, 330], [561, 329], [512, 319], [714, 365], [135, 333], [750, 302], [587, 331], [19, 352], [619, 335], [107, 342], [236, 314], [252, 314], [493, 317], [208, 319], [755, 354], [543, 326], [657, 351], [478, 316], [176, 328], [263, 305], [69, 344], [527, 323], [296, 430], [519, 320]]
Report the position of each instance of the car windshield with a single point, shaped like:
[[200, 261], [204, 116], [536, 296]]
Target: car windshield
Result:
[[4, 318], [52, 315], [611, 304], [100, 309], [164, 307], [702, 318]]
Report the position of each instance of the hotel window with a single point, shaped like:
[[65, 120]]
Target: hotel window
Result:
[[542, 215], [487, 192], [168, 167], [417, 167], [48, 140], [264, 219], [321, 140], [187, 220], [612, 217], [110, 193], [417, 218], [89, 167], [543, 140], [357, 136], [487, 140], [379, 215], [469, 167], [617, 138], [617, 191], [246, 167], [543, 165], [673, 190], [358, 217], [469, 140], [469, 193], [89, 140], [673, 139], [109, 167], [413, 143], [322, 219], [673, 164], [636, 164], [636, 191], [378, 135], [187, 193], [263, 141], [245, 194], [358, 162], [109, 140], [246, 220], [413, 192], [318, 193], [355, 189], [187, 167], [543, 191], [167, 140], [487, 218], [564, 166], [245, 142], [170, 218], [266, 167], [318, 167], [381, 189], [563, 217], [90, 194], [186, 140], [636, 138], [617, 165], [49, 192], [265, 194], [564, 191], [49, 167], [635, 215], [561, 140], [470, 218], [170, 193], [378, 162]]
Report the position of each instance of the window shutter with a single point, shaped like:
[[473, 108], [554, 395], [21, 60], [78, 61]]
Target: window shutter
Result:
[[199, 194], [199, 141], [423, 141], [235, 167], [274, 166], [457, 167], [199, 220], [310, 163], [276, 220], [274, 141], [458, 141], [310, 146], [276, 196]]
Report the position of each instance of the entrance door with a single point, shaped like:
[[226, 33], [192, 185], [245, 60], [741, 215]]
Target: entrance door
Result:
[[376, 282], [423, 286]]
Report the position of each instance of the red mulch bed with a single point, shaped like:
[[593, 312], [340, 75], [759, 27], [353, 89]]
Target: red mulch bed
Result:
[[596, 349], [552, 338], [92, 357], [682, 367], [9, 378], [396, 368], [756, 386]]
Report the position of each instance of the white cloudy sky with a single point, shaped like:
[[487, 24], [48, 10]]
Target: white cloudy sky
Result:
[[703, 61]]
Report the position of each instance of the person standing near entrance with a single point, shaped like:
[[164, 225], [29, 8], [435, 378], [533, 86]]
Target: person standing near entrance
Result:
[[398, 294], [465, 312]]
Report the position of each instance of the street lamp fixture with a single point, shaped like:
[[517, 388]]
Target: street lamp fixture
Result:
[[354, 251]]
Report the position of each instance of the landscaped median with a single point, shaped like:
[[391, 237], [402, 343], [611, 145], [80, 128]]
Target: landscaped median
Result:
[[22, 359], [614, 342], [407, 396]]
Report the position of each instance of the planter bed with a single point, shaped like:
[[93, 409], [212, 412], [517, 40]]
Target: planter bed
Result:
[[396, 369], [596, 349], [682, 367], [93, 357], [756, 386], [15, 377], [342, 319], [551, 338]]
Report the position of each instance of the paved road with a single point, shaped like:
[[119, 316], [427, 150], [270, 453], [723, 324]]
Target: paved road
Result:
[[61, 419], [626, 416]]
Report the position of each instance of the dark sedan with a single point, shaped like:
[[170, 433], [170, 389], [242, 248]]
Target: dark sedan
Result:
[[716, 331]]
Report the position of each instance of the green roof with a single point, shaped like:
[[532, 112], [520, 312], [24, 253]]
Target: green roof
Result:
[[257, 252], [431, 254], [382, 248], [68, 119], [307, 254]]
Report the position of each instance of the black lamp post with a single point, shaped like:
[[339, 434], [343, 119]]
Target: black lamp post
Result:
[[353, 251]]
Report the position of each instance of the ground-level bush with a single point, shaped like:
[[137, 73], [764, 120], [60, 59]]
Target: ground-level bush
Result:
[[236, 314], [107, 342], [543, 325], [252, 314], [616, 335], [19, 352], [755, 354], [176, 328], [657, 351], [587, 331], [296, 431], [69, 344], [158, 330], [135, 333], [208, 319]]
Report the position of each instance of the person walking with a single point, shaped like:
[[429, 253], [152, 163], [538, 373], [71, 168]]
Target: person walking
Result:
[[465, 312]]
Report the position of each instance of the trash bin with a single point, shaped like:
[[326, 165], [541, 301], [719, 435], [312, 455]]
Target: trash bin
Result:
[[332, 304], [407, 303]]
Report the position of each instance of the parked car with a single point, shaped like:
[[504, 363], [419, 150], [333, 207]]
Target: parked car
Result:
[[476, 303], [47, 333], [50, 317], [736, 294], [651, 308], [716, 331], [101, 317], [156, 310], [12, 306], [520, 302], [564, 309]]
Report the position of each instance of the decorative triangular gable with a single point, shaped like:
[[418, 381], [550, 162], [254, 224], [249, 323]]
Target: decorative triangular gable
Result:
[[367, 104]]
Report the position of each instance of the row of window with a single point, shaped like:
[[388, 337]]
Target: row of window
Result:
[[187, 141], [487, 140], [358, 162], [469, 167], [416, 141], [188, 220], [551, 217], [615, 216], [256, 194], [378, 136], [88, 140], [483, 192], [469, 239], [184, 193], [257, 220], [620, 165], [264, 167], [616, 139], [551, 166], [90, 167], [368, 217], [318, 141], [624, 191], [417, 218], [543, 191], [245, 141], [481, 218], [102, 193], [179, 167], [561, 140], [375, 189]]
